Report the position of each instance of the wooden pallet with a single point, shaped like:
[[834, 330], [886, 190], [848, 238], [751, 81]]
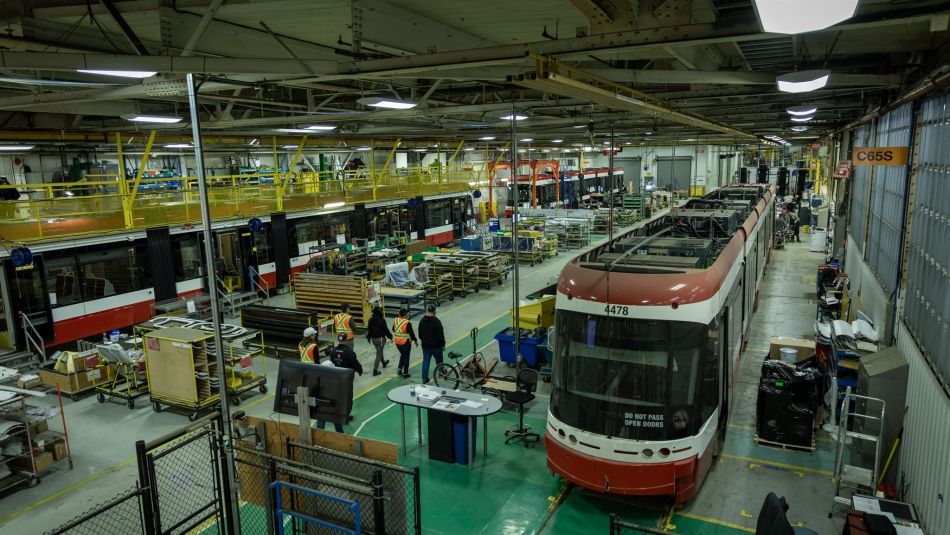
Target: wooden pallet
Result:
[[324, 294], [783, 446]]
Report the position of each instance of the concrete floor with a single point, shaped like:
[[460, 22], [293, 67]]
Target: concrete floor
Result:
[[511, 491]]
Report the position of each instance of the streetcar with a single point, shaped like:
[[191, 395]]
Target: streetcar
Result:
[[648, 333]]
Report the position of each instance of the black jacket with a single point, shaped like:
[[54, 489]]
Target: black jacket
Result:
[[378, 328], [344, 357], [431, 335]]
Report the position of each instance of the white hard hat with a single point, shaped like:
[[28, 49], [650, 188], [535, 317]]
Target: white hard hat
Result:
[[309, 331]]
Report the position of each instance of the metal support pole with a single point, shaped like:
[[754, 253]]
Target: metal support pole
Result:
[[514, 236], [231, 506], [610, 184], [145, 483]]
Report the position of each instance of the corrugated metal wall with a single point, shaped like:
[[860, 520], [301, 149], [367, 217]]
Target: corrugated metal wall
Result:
[[927, 301], [859, 191], [924, 459], [888, 183]]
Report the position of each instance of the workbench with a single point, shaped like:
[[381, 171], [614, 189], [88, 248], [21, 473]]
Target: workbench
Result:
[[412, 299]]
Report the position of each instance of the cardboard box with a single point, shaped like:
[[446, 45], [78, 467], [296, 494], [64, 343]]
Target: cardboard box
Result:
[[37, 427], [28, 380], [43, 460], [58, 449], [804, 348], [73, 383]]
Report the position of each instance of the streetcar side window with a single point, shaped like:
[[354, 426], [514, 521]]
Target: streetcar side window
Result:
[[710, 384]]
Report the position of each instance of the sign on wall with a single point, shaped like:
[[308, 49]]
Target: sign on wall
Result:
[[879, 156]]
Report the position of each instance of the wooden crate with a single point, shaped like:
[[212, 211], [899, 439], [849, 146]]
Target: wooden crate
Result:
[[324, 294]]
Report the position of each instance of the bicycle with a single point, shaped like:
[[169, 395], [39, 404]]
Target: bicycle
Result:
[[469, 372]]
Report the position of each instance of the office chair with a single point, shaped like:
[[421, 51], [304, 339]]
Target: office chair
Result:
[[526, 383]]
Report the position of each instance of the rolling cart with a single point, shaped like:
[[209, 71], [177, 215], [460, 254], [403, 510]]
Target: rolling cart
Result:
[[129, 382], [180, 372]]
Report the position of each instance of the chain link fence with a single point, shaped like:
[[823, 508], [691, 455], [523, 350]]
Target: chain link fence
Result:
[[255, 474], [396, 487], [184, 477], [122, 514]]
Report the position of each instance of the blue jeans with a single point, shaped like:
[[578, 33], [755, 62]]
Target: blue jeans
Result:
[[321, 424], [427, 354]]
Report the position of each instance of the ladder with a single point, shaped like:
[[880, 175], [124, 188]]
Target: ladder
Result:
[[860, 433]]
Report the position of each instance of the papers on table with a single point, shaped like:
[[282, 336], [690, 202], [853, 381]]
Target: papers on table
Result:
[[868, 505], [424, 395], [472, 404]]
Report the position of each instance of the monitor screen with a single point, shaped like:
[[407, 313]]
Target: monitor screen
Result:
[[331, 387]]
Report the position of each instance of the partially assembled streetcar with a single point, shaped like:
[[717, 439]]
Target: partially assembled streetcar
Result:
[[648, 332]]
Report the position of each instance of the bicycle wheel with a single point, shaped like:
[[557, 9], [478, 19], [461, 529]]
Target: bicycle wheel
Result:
[[446, 376]]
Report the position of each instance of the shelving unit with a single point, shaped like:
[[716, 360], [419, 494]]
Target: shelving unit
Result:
[[41, 449], [492, 267], [324, 294], [571, 233], [239, 359], [464, 271], [182, 372], [440, 288]]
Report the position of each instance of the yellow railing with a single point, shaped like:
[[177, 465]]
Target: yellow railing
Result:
[[59, 210]]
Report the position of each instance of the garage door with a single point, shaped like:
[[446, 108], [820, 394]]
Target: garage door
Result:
[[631, 170], [674, 172]]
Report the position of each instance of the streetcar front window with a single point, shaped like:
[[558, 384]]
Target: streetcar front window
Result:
[[627, 378]]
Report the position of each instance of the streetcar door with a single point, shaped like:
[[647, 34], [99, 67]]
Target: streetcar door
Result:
[[29, 296], [229, 262]]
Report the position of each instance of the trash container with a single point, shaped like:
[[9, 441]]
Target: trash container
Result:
[[460, 432]]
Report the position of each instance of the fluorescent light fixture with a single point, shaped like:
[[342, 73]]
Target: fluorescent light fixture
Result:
[[334, 204], [800, 16], [487, 138], [122, 74], [419, 150], [803, 119], [801, 110], [588, 149], [469, 148], [361, 148], [295, 130], [527, 139], [390, 103], [607, 143], [55, 83], [648, 133], [16, 147], [151, 118], [802, 81], [321, 127], [516, 117], [557, 141], [799, 128], [254, 142], [179, 146], [579, 126], [289, 147]]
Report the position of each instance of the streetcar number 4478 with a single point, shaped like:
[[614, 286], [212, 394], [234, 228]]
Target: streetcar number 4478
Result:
[[617, 310]]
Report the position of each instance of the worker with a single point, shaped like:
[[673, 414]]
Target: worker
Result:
[[8, 194], [796, 225], [343, 323], [402, 335], [376, 333], [343, 357], [308, 347], [432, 337]]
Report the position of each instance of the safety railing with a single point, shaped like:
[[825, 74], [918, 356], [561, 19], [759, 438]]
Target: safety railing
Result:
[[34, 342], [224, 297], [59, 210], [258, 283]]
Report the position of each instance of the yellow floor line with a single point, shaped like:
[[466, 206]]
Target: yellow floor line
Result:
[[716, 521], [794, 467]]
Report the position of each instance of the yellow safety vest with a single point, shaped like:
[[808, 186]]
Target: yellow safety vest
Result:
[[342, 324], [400, 331], [306, 352]]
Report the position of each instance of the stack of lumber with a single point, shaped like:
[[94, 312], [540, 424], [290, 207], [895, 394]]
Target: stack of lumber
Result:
[[324, 294]]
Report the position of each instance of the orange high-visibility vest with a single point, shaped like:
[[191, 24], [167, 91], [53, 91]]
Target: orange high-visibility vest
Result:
[[306, 352], [401, 331], [341, 323]]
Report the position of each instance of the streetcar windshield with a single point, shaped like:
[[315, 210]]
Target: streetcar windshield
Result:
[[627, 378]]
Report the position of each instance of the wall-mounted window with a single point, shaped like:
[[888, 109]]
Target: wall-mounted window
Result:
[[62, 280], [187, 255], [114, 271]]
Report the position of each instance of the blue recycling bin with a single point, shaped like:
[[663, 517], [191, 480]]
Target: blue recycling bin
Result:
[[472, 243], [528, 347], [462, 439], [494, 224]]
